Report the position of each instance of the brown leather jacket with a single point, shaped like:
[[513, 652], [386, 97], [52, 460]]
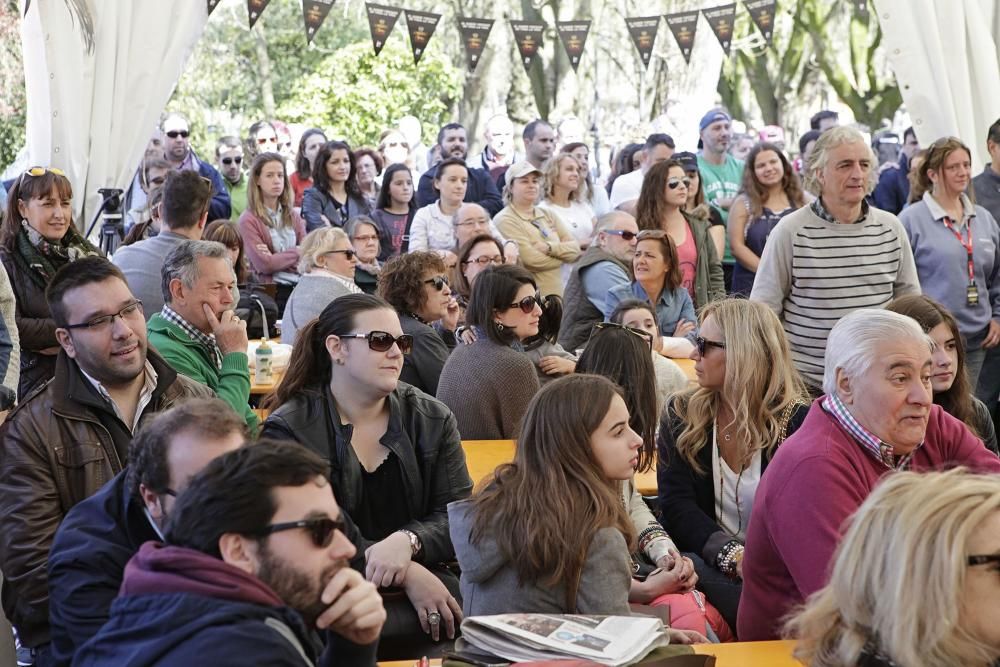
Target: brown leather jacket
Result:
[[59, 447]]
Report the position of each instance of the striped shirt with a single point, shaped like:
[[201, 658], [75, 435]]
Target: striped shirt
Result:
[[814, 271]]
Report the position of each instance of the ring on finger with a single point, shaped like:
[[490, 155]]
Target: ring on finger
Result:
[[433, 618]]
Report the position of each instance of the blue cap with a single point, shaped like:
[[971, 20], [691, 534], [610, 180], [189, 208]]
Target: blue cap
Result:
[[713, 116]]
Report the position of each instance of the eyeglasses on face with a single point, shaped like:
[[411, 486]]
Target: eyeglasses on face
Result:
[[624, 233], [104, 322], [382, 341], [173, 134], [321, 530], [230, 160], [438, 281], [348, 253], [644, 335], [675, 183], [483, 260], [366, 238], [703, 344], [468, 223], [41, 171], [527, 304]]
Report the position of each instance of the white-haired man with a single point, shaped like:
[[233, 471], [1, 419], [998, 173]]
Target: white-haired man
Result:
[[836, 255], [877, 417]]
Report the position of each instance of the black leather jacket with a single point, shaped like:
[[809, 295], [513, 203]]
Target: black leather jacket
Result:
[[422, 433]]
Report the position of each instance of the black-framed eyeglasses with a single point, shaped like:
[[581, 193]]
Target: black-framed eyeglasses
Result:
[[104, 321], [382, 341], [438, 281], [703, 344], [230, 160], [984, 560], [348, 253], [173, 134], [321, 529], [624, 233], [675, 183], [644, 335], [527, 304], [483, 260]]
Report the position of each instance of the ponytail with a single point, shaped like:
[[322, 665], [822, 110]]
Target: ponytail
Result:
[[308, 368]]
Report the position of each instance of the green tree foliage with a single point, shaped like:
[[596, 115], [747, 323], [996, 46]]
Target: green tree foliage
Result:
[[355, 94], [12, 95]]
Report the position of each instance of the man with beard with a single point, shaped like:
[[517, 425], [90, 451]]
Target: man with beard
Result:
[[255, 560], [70, 437], [180, 155], [453, 143]]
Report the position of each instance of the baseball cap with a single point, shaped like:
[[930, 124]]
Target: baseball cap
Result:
[[713, 116], [519, 169], [687, 159]]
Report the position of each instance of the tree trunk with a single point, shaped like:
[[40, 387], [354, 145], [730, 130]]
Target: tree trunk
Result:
[[264, 70]]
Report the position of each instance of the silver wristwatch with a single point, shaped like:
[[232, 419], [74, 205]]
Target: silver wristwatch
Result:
[[414, 541]]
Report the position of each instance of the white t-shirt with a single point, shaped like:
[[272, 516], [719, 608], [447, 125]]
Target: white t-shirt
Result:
[[732, 514], [627, 187], [578, 218]]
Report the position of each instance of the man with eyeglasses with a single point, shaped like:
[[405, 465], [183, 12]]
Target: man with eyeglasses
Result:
[[100, 534], [65, 441], [229, 159], [606, 264], [198, 331], [473, 220], [180, 155], [256, 559]]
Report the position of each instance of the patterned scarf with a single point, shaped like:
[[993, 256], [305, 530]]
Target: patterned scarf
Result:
[[40, 259]]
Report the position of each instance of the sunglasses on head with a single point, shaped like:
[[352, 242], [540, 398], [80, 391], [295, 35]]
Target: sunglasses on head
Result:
[[348, 253], [527, 304], [382, 341], [173, 134], [703, 344], [321, 530], [230, 160], [41, 171], [674, 183], [644, 335], [438, 281], [625, 234]]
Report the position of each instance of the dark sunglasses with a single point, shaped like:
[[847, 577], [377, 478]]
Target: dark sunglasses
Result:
[[229, 160], [675, 183], [527, 304], [644, 335], [703, 344], [984, 560], [348, 253], [438, 281], [625, 234], [320, 530], [381, 341], [173, 134]]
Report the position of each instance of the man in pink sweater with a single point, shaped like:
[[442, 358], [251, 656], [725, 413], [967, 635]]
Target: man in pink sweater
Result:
[[876, 417]]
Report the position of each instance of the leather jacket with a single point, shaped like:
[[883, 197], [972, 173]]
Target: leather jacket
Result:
[[59, 449], [422, 433]]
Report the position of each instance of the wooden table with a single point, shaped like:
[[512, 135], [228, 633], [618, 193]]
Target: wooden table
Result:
[[264, 389]]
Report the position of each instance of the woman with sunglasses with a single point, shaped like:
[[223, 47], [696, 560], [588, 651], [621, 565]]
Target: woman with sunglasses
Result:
[[395, 208], [395, 458], [716, 439], [657, 280], [489, 383], [335, 196], [771, 190], [309, 144], [941, 529], [697, 205], [661, 206], [327, 266], [416, 285], [38, 239], [271, 229]]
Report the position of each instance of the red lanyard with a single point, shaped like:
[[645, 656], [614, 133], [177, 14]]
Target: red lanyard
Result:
[[967, 244]]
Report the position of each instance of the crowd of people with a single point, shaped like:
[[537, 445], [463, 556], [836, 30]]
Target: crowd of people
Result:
[[843, 318]]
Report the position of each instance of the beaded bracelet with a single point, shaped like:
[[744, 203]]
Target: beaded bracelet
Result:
[[729, 555]]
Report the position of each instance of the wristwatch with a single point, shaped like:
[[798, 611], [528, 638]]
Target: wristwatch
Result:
[[414, 541]]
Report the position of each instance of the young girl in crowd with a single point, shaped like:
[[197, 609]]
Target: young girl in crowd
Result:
[[433, 225], [949, 379], [395, 458], [335, 196], [716, 439], [310, 143], [395, 208]]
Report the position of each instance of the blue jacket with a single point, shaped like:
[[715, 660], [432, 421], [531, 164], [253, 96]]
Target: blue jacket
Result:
[[481, 190], [220, 207], [94, 542], [893, 187]]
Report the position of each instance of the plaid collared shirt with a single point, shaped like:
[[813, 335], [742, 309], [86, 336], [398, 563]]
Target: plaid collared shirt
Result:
[[208, 340], [820, 210], [880, 451]]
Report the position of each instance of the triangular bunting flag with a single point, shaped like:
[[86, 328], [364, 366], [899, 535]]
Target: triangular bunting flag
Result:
[[684, 25], [255, 8], [421, 26], [574, 37], [381, 21], [528, 36], [212, 4], [474, 33], [762, 13], [314, 13], [643, 31], [720, 20]]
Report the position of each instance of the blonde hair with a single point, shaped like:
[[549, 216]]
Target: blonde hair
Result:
[[318, 242], [899, 574], [820, 156], [550, 175], [761, 383]]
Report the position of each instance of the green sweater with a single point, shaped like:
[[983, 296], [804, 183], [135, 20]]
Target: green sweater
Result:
[[190, 358]]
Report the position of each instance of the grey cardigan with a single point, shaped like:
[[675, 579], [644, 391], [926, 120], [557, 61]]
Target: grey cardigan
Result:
[[313, 293]]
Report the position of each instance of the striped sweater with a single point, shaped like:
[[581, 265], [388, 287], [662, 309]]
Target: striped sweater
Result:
[[814, 272]]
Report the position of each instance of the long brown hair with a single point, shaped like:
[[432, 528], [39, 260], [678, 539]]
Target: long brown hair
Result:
[[255, 202], [24, 189], [651, 209], [547, 542], [228, 234], [928, 313], [756, 192]]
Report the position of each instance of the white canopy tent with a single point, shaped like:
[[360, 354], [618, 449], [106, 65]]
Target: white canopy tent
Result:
[[946, 56], [98, 74]]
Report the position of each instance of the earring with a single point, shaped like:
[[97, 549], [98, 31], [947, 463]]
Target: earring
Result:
[[500, 326]]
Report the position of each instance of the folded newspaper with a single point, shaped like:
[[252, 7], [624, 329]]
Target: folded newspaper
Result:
[[607, 640]]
